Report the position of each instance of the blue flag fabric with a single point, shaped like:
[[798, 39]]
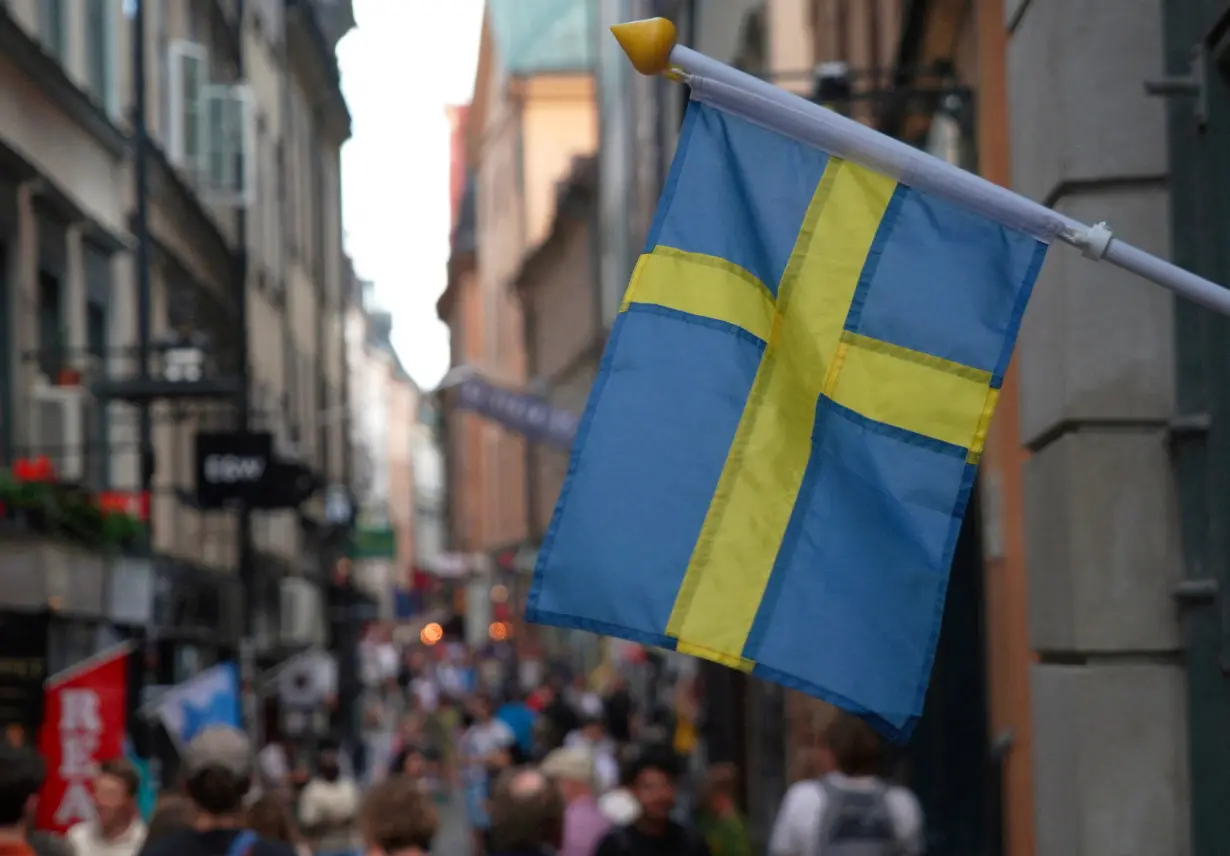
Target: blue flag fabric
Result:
[[780, 445]]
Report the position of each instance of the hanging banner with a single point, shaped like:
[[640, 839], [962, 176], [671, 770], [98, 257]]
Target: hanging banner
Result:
[[23, 669], [85, 710], [518, 411]]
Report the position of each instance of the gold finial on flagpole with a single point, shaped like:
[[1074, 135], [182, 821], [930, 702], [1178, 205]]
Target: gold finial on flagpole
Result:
[[647, 43]]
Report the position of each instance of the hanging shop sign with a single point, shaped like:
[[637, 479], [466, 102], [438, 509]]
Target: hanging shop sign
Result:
[[378, 542], [518, 411], [232, 467], [240, 467]]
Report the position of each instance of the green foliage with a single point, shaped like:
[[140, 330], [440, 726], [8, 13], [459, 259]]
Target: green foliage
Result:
[[62, 510]]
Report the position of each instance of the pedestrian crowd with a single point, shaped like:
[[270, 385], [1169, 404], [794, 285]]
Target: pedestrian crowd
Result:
[[567, 768]]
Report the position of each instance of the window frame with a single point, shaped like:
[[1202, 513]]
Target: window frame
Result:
[[52, 27], [101, 52], [179, 51], [234, 108]]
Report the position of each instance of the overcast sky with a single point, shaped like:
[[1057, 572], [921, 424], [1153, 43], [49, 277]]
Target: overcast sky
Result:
[[401, 66]]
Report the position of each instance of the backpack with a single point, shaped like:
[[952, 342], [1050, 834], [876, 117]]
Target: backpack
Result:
[[243, 843], [856, 823]]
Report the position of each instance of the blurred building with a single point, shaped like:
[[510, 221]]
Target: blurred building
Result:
[[384, 408], [563, 333], [1122, 421], [244, 187], [558, 289], [1077, 703], [427, 463], [532, 114]]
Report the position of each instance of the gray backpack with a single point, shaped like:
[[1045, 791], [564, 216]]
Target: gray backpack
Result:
[[856, 823]]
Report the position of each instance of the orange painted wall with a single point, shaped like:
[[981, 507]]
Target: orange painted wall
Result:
[[1008, 655], [458, 166]]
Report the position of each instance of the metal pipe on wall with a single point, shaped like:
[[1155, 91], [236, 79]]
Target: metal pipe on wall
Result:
[[138, 727]]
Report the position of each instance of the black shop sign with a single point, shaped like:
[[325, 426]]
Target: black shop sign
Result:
[[234, 468], [23, 669]]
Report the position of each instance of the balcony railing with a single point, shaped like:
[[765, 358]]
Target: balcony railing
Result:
[[178, 369]]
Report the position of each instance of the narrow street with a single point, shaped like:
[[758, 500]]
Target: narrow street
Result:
[[452, 838]]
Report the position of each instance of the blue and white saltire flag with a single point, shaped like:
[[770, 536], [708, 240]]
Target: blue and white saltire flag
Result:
[[209, 698]]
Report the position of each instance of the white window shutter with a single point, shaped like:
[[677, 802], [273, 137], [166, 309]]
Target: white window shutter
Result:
[[230, 113], [188, 73]]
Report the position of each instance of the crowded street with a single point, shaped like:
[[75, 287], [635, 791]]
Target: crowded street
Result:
[[614, 427]]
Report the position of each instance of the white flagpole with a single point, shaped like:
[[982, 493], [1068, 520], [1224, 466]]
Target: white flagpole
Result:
[[651, 47]]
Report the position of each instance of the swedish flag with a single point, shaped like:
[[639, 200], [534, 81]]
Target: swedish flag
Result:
[[782, 439]]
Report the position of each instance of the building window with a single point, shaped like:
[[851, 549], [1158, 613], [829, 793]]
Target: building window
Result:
[[98, 48], [324, 422], [97, 265], [189, 75], [50, 325], [51, 28], [276, 207], [260, 200], [231, 123]]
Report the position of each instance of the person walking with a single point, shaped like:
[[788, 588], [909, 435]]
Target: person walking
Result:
[[593, 737], [653, 775], [559, 717], [718, 818], [485, 752], [620, 709], [516, 714], [217, 766], [395, 819], [269, 818], [850, 810], [572, 770], [21, 778], [329, 807], [383, 706], [116, 828], [172, 814], [527, 815]]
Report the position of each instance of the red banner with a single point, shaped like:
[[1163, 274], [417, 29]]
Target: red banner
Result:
[[84, 715]]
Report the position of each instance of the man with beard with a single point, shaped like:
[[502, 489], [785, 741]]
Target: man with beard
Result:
[[329, 806], [652, 776]]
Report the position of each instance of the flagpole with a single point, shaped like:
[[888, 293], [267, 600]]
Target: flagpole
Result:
[[651, 47]]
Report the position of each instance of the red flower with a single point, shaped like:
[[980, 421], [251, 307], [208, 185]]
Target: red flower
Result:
[[38, 469]]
